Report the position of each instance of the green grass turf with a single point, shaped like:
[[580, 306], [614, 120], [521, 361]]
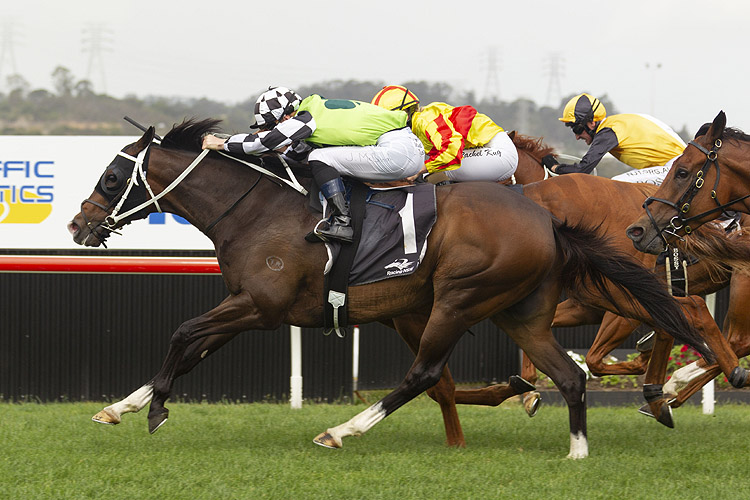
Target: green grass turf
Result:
[[256, 451]]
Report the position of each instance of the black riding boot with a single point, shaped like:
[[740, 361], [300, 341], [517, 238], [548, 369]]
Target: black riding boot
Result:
[[339, 225]]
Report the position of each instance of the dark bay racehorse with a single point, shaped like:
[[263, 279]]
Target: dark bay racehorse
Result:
[[491, 254]]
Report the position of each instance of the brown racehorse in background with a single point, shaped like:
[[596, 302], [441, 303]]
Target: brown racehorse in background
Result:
[[531, 150], [592, 200], [510, 265], [611, 205]]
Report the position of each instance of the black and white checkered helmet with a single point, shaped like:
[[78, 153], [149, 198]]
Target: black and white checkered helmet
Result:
[[273, 104]]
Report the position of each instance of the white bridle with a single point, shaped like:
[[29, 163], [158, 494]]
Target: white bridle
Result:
[[115, 217]]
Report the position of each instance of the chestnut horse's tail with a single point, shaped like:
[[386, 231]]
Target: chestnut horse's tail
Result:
[[592, 265]]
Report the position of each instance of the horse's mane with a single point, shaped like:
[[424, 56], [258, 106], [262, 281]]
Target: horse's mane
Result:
[[188, 135], [735, 133], [721, 251], [534, 146]]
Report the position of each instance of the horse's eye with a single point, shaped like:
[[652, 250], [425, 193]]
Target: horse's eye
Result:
[[110, 180], [681, 173]]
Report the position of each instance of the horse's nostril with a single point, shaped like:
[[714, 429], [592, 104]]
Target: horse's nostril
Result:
[[634, 232]]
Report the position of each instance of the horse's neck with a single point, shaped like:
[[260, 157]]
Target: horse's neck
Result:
[[222, 190]]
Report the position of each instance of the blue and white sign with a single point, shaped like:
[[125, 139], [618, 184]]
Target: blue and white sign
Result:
[[44, 179]]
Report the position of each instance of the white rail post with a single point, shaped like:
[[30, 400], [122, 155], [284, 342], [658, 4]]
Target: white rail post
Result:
[[707, 392], [355, 358], [295, 380]]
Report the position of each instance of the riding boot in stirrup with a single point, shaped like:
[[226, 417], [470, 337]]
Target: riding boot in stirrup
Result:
[[339, 225]]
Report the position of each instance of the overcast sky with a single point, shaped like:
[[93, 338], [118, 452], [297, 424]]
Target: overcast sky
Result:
[[680, 60]]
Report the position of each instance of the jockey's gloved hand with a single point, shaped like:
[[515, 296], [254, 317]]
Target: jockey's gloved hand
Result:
[[550, 161]]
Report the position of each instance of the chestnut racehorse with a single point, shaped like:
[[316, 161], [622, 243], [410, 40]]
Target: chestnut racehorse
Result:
[[491, 254], [592, 200], [711, 176]]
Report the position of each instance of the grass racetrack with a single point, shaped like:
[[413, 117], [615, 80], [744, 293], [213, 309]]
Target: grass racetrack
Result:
[[256, 451]]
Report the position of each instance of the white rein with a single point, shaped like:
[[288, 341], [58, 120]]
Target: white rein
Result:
[[116, 217]]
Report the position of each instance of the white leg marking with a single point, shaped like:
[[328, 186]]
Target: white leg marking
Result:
[[134, 403], [360, 424], [579, 446], [680, 378]]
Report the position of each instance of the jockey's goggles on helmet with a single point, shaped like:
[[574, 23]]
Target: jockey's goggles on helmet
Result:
[[578, 128]]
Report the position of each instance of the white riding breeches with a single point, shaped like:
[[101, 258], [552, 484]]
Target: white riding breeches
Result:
[[397, 154], [495, 161], [651, 175]]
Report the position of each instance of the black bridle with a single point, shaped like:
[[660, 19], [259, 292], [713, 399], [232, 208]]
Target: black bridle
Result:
[[681, 221]]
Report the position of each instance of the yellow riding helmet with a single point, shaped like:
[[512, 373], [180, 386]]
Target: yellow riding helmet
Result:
[[395, 97], [583, 108]]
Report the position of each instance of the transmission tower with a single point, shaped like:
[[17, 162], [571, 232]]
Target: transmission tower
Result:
[[554, 69], [96, 40], [492, 83], [7, 51]]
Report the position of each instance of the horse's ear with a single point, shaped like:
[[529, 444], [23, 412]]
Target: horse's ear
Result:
[[146, 138], [717, 127], [512, 134]]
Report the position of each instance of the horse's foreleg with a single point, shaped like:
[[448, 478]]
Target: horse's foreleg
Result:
[[138, 399], [235, 314], [696, 310], [689, 379], [655, 376], [133, 403], [438, 340]]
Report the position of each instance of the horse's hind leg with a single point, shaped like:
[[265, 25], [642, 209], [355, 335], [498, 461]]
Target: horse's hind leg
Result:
[[442, 332], [536, 340], [655, 375], [613, 331], [410, 329]]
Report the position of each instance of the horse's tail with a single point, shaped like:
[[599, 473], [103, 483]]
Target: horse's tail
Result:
[[592, 265]]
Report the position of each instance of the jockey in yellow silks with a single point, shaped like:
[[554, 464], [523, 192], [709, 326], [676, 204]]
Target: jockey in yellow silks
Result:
[[640, 141], [455, 137]]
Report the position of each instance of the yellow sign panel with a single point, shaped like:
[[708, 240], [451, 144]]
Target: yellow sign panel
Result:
[[23, 208]]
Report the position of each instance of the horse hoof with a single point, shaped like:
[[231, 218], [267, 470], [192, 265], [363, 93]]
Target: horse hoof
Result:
[[325, 440], [519, 385], [646, 410], [646, 343], [665, 416], [156, 421], [531, 403], [105, 417], [739, 377]]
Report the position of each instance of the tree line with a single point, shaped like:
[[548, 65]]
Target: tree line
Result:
[[72, 107]]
